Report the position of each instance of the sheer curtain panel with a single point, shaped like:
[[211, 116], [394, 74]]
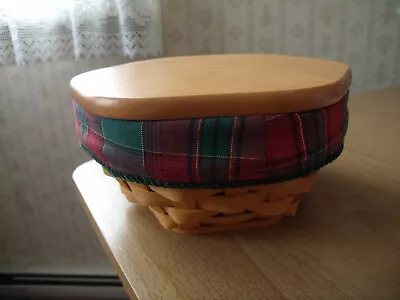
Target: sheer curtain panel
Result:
[[43, 30]]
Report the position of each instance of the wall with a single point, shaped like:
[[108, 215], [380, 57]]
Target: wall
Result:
[[362, 33], [41, 220]]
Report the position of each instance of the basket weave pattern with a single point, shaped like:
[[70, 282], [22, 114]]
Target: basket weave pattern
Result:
[[207, 210]]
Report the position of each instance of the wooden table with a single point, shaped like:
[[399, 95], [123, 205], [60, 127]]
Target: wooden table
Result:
[[343, 244]]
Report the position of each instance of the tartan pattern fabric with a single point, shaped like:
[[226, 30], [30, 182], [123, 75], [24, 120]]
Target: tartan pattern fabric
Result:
[[215, 152]]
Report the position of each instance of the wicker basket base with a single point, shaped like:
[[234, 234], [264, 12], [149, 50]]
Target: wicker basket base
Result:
[[210, 210]]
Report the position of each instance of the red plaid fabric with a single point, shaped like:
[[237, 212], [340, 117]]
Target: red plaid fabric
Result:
[[216, 152]]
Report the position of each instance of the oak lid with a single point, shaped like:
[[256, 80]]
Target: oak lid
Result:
[[212, 85]]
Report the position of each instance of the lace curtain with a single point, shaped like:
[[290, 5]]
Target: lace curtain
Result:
[[43, 30]]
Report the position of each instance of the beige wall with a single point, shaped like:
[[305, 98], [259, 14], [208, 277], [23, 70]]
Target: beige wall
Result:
[[41, 220], [362, 33]]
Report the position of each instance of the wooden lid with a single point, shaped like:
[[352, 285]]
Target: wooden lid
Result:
[[209, 86]]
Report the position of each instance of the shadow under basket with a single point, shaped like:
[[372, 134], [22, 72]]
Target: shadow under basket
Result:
[[211, 210]]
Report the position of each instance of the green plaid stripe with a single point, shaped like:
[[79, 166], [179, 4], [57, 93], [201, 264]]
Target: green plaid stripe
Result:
[[224, 151]]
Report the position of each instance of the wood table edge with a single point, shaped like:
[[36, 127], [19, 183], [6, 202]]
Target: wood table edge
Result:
[[122, 276]]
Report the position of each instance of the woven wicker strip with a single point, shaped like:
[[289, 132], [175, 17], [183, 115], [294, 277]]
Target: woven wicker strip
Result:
[[208, 210]]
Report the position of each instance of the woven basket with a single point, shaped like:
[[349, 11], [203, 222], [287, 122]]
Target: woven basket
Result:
[[212, 142], [208, 210]]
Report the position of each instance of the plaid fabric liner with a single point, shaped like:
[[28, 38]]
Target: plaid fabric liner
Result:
[[215, 152]]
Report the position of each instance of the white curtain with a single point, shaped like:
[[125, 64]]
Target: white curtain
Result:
[[42, 30]]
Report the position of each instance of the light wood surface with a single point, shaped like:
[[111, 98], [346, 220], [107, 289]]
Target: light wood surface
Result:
[[211, 85], [344, 242]]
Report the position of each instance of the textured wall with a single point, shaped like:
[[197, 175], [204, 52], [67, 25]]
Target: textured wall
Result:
[[362, 33], [41, 220]]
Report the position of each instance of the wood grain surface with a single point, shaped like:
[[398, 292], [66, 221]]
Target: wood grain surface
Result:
[[344, 242], [211, 85]]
